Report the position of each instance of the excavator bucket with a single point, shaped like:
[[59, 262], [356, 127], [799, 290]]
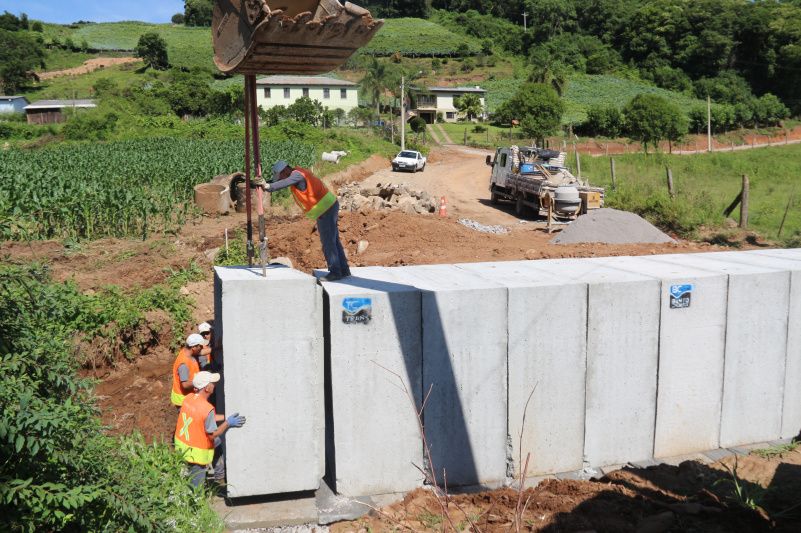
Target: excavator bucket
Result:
[[288, 36]]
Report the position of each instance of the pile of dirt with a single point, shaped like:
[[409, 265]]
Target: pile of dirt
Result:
[[610, 226], [390, 197]]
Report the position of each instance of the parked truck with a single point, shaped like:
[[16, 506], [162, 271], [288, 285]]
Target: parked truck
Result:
[[537, 178]]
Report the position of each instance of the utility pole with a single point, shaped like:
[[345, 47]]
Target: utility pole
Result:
[[708, 124], [403, 113], [525, 21]]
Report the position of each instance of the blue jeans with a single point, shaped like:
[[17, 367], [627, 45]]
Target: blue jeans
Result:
[[334, 254]]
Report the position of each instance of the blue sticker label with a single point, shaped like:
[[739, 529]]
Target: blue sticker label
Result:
[[680, 296], [357, 310]]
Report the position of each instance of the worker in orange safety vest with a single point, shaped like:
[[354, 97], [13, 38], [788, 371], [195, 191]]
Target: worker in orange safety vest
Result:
[[197, 435], [186, 365], [320, 205], [206, 358]]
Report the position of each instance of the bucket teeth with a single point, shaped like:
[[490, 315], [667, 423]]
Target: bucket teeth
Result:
[[250, 38]]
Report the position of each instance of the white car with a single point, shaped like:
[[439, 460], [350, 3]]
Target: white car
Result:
[[409, 160]]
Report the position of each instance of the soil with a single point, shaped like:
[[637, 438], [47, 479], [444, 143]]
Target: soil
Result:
[[689, 497], [90, 65]]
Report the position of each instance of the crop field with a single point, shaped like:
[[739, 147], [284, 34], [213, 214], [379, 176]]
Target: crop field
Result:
[[417, 37], [126, 188], [706, 184], [186, 46], [585, 91]]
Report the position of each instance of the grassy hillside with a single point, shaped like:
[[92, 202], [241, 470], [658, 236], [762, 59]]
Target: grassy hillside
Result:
[[418, 37], [585, 90], [706, 185]]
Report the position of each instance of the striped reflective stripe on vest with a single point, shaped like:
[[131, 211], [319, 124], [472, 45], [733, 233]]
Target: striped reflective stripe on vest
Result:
[[322, 206], [198, 456]]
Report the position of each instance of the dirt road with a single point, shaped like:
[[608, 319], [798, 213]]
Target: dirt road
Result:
[[88, 66], [462, 177]]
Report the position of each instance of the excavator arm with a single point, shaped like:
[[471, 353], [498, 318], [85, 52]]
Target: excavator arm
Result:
[[288, 36]]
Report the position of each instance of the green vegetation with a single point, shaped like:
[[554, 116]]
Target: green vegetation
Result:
[[706, 184], [538, 108], [126, 188], [651, 119], [61, 472], [776, 451], [153, 51], [417, 37]]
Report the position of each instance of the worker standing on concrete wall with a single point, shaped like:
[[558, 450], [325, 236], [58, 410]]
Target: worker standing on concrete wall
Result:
[[197, 435], [206, 359], [186, 365], [320, 205]]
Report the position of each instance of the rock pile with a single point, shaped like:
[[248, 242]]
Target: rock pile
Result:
[[354, 197]]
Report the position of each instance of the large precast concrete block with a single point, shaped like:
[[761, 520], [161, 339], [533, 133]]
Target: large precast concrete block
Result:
[[547, 355], [464, 367], [756, 347], [790, 261], [374, 354], [622, 348], [271, 334], [692, 336]]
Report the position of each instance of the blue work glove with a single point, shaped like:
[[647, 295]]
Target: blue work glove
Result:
[[236, 421]]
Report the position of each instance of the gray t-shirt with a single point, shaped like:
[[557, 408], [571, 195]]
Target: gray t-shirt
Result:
[[296, 178], [211, 427], [183, 372]]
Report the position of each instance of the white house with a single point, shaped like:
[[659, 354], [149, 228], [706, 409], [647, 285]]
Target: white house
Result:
[[436, 100], [13, 104], [284, 90]]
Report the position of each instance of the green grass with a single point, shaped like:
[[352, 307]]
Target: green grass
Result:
[[418, 37], [776, 451], [706, 184], [81, 86], [497, 136], [58, 59]]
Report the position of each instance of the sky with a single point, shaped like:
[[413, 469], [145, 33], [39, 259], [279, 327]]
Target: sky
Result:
[[66, 11]]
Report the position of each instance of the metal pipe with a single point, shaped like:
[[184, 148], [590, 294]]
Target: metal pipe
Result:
[[249, 245], [254, 124]]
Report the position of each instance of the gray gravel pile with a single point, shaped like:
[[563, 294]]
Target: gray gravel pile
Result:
[[478, 226], [610, 226], [311, 528]]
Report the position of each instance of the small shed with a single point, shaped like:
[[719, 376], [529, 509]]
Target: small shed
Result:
[[54, 111], [13, 104]]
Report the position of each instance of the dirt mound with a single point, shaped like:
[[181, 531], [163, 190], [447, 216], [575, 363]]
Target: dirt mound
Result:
[[90, 65], [610, 226]]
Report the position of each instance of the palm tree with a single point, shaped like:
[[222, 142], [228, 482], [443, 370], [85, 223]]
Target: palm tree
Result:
[[374, 83], [553, 74]]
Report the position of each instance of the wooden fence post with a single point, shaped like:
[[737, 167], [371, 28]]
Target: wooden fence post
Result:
[[614, 177], [744, 204], [578, 163], [786, 209], [671, 190]]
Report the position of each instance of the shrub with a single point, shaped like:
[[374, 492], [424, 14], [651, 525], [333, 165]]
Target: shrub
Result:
[[91, 125], [651, 119]]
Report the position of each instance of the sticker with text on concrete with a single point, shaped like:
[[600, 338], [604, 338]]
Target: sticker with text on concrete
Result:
[[680, 296], [357, 310]]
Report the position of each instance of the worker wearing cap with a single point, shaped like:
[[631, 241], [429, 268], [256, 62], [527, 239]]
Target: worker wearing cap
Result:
[[186, 365], [320, 205], [206, 360], [197, 435]]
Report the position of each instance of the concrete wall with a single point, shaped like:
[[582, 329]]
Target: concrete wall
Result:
[[271, 337], [546, 367], [756, 348], [373, 431]]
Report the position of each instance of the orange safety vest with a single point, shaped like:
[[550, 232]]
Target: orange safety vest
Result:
[[316, 199], [191, 438], [184, 357]]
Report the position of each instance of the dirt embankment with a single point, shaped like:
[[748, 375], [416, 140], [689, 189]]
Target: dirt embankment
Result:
[[90, 65]]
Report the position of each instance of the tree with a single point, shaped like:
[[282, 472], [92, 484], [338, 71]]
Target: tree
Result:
[[178, 18], [603, 120], [339, 115], [538, 108], [274, 115], [651, 118], [20, 54], [375, 83], [305, 110], [417, 124], [470, 105], [153, 50], [37, 26], [198, 12]]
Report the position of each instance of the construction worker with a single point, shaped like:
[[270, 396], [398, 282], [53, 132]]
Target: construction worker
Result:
[[319, 204], [206, 360], [186, 365], [197, 435]]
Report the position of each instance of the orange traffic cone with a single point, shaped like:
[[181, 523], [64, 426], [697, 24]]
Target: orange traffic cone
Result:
[[443, 207]]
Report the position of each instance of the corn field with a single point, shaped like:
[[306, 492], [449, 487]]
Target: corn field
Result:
[[120, 189]]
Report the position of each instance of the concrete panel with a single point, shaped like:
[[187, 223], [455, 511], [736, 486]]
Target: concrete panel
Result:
[[622, 350], [756, 347], [272, 356], [791, 411], [464, 364], [376, 438], [547, 362], [691, 355]]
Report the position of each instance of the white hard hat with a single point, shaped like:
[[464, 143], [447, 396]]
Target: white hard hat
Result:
[[205, 327], [194, 339]]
